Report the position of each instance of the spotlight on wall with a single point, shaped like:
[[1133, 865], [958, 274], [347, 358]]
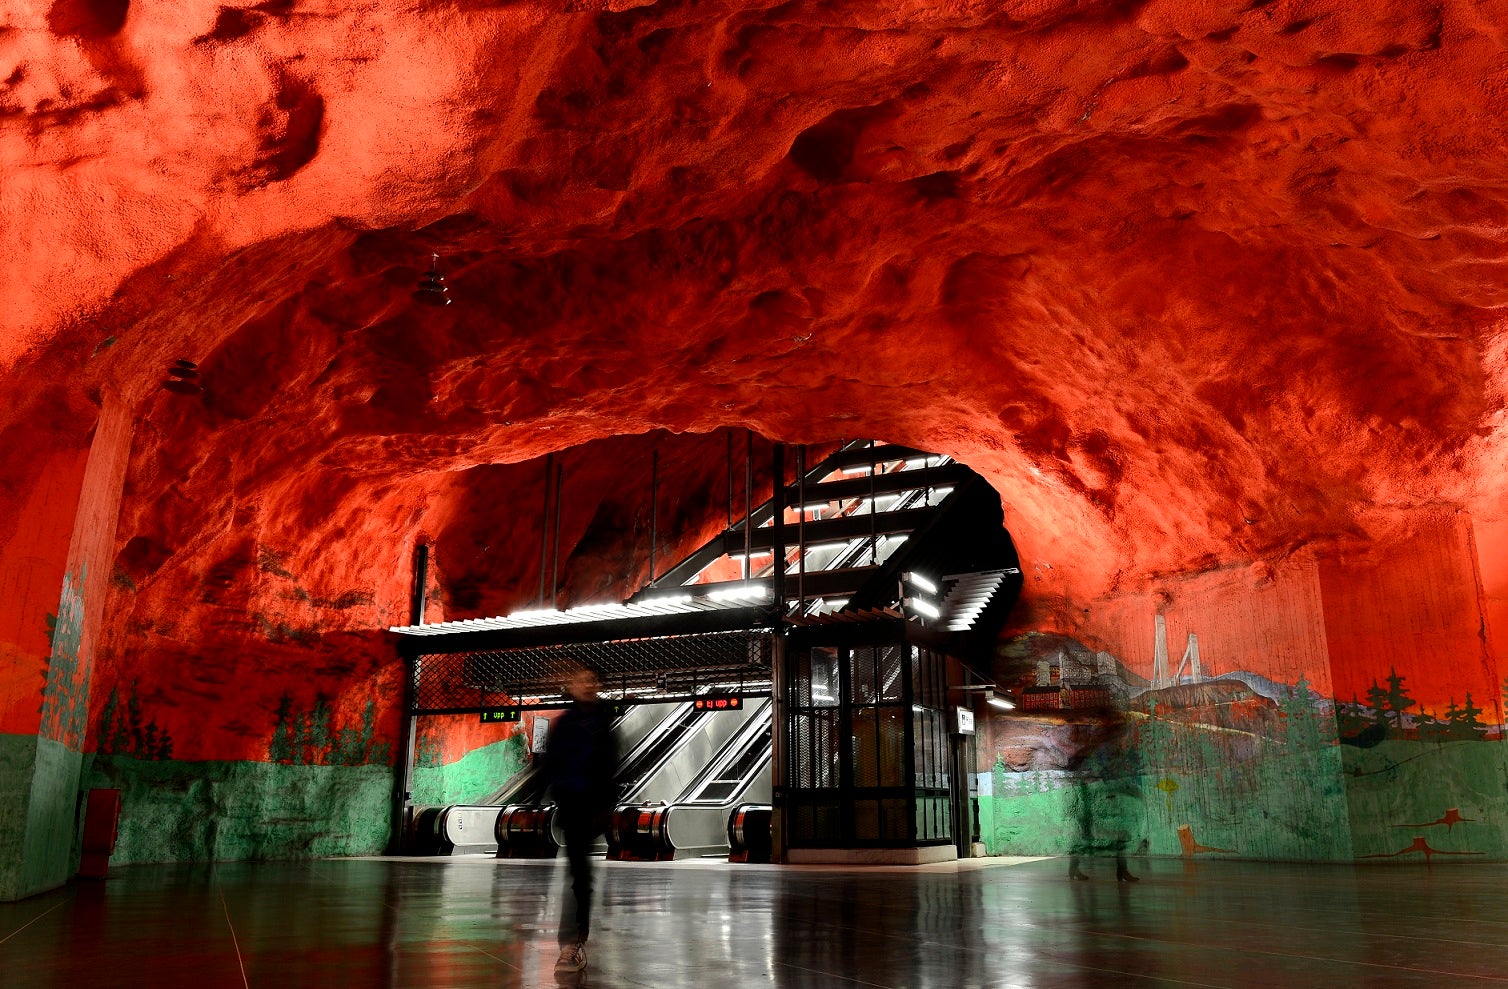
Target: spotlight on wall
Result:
[[432, 290], [183, 378]]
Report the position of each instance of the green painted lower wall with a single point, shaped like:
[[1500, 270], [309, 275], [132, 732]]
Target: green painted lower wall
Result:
[[1285, 807], [47, 855], [1397, 800], [39, 781], [174, 811], [1264, 784], [18, 754], [1412, 800], [474, 777]]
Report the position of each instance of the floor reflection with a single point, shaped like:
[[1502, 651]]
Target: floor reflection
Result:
[[462, 923]]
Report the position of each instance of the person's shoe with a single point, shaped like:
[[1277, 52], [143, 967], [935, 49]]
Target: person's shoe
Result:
[[572, 958], [1126, 877], [1076, 874]]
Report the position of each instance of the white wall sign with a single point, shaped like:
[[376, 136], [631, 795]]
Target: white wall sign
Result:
[[965, 720], [541, 732]]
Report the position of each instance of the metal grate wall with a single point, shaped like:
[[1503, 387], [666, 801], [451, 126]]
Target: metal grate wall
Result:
[[664, 668]]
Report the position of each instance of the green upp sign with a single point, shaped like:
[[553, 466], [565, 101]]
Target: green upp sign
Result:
[[502, 715]]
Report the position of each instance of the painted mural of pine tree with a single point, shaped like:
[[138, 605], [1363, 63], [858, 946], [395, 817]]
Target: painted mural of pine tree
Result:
[[377, 750], [281, 748], [312, 738], [314, 734], [1377, 700], [1464, 721], [427, 753], [1391, 700], [358, 745], [124, 731], [1398, 698], [1301, 719]]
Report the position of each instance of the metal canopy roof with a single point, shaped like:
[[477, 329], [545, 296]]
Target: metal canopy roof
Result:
[[970, 595], [597, 614], [600, 623]]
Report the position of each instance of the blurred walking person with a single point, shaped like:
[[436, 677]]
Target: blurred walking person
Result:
[[581, 756]]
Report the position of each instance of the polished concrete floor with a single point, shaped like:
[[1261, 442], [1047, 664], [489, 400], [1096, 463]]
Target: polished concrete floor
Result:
[[476, 922]]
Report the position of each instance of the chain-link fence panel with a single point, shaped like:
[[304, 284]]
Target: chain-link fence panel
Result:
[[652, 669]]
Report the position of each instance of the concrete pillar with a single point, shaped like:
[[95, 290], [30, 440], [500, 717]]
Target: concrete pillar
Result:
[[55, 565]]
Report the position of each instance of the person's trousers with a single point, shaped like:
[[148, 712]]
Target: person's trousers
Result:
[[581, 829]]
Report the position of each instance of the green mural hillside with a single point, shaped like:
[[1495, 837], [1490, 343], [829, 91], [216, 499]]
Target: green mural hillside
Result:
[[472, 778], [1412, 800], [1238, 765], [1173, 790]]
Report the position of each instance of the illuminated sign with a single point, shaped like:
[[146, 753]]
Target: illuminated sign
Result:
[[965, 720], [502, 716], [717, 703]]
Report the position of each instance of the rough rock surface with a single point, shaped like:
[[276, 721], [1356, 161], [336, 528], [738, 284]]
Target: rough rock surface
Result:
[[1190, 282], [204, 811]]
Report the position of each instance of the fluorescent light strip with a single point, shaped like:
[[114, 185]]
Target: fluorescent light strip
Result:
[[746, 593], [927, 585], [923, 607], [541, 618]]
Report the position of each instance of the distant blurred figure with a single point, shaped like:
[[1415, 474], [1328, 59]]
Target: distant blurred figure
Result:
[[581, 756], [1106, 803]]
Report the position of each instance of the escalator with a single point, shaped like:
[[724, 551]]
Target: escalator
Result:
[[679, 746], [462, 829], [632, 728], [696, 823], [676, 771]]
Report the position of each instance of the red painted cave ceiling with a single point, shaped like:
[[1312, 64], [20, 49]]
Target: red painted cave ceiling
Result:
[[1190, 282]]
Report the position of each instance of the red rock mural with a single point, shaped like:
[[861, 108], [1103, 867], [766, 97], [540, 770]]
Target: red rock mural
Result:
[[300, 649], [1211, 293]]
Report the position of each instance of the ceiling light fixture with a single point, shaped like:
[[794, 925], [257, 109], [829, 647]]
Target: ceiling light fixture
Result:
[[917, 580], [923, 607], [183, 378], [432, 290]]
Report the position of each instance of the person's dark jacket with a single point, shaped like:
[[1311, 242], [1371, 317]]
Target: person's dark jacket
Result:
[[581, 756]]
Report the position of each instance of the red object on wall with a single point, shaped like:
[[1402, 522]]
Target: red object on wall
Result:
[[101, 827]]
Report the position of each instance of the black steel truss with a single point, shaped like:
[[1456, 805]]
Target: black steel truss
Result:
[[677, 654]]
